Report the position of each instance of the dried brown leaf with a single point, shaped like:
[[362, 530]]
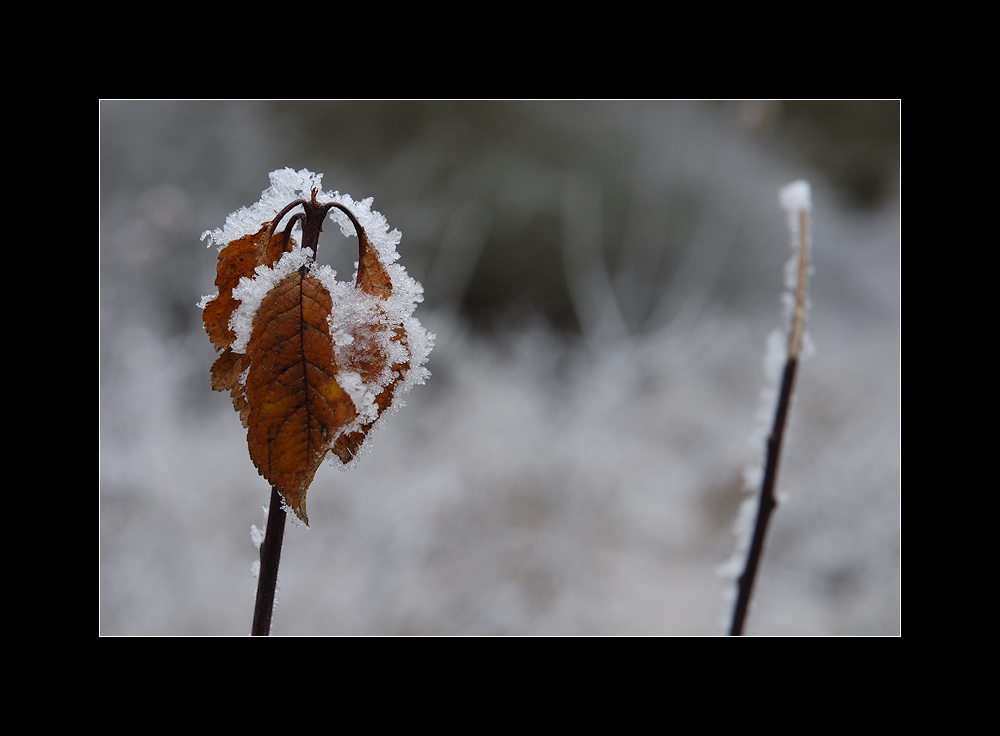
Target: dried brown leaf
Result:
[[237, 260], [295, 404], [285, 383]]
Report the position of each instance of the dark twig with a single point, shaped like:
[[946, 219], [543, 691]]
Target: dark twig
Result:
[[767, 500], [798, 204], [270, 555]]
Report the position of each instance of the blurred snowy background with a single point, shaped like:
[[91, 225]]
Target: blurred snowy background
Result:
[[602, 278]]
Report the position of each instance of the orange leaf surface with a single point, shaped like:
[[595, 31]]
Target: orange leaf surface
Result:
[[311, 363], [237, 260]]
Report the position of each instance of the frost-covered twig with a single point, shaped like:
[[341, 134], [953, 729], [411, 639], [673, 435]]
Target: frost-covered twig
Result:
[[796, 200], [270, 556], [311, 363]]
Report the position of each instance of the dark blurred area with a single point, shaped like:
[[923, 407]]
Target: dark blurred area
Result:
[[476, 152], [476, 186]]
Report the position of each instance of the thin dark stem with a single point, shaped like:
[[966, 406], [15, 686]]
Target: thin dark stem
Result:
[[270, 555], [288, 208], [767, 501], [312, 222], [287, 233], [357, 227]]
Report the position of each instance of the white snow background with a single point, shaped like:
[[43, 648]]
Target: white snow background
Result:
[[602, 279]]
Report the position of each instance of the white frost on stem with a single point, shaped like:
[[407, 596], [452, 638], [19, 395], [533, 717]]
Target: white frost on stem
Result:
[[796, 200], [782, 346]]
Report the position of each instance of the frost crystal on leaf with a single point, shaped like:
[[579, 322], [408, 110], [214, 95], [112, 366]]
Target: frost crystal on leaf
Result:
[[312, 363]]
